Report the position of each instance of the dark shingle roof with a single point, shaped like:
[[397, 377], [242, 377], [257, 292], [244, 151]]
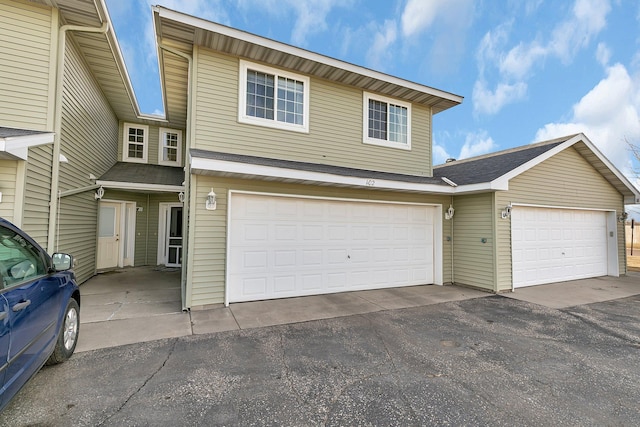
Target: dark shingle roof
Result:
[[13, 133], [144, 174], [315, 167], [489, 167]]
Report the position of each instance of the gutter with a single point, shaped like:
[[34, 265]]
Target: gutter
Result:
[[55, 167]]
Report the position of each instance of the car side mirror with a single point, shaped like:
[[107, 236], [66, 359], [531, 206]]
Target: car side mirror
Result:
[[62, 261]]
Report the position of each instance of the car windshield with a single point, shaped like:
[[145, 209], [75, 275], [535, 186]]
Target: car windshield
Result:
[[19, 259]]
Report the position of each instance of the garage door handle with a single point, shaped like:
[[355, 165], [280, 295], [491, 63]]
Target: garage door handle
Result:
[[21, 305], [3, 315]]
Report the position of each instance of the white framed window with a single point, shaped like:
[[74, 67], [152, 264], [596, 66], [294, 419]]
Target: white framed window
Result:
[[135, 143], [170, 149], [272, 97], [386, 122]]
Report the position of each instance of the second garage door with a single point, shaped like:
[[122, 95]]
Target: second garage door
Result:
[[554, 245], [288, 246]]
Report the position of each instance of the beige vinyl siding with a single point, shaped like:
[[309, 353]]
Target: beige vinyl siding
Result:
[[473, 260], [8, 177], [207, 243], [564, 180], [78, 232], [335, 125], [89, 140], [25, 68], [37, 193]]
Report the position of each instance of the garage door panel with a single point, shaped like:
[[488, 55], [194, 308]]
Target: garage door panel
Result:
[[552, 245], [312, 246]]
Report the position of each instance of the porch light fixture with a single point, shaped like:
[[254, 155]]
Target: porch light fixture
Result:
[[623, 217], [210, 203], [181, 197], [449, 213], [99, 193], [506, 212]]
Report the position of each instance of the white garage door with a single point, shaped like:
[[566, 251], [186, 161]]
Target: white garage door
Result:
[[284, 246], [554, 245]]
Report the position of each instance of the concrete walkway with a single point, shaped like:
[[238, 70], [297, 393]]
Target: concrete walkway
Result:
[[143, 304]]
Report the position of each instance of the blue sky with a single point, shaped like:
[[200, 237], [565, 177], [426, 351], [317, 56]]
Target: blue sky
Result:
[[529, 70]]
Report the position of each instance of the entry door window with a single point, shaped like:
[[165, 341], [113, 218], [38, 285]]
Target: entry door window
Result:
[[174, 236]]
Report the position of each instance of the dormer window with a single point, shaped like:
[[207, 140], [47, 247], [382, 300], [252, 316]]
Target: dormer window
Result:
[[386, 122], [274, 98], [135, 141]]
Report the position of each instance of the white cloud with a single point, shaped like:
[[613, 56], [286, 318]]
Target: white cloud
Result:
[[609, 115], [310, 15], [418, 15], [487, 101], [603, 54], [440, 154], [518, 61], [384, 37], [515, 65], [475, 144]]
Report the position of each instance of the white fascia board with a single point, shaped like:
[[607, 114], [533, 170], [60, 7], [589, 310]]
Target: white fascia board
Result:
[[302, 53], [18, 146], [503, 181], [630, 200], [198, 163], [140, 187], [482, 187]]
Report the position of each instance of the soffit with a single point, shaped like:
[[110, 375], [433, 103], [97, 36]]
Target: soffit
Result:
[[184, 31], [102, 54]]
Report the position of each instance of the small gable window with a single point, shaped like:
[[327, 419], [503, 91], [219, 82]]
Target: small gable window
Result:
[[136, 145], [274, 98], [386, 122], [170, 147]]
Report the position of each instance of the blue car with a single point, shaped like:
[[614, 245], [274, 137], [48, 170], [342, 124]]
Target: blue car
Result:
[[39, 309]]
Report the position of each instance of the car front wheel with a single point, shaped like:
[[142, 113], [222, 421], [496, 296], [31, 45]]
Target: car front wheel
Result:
[[68, 335]]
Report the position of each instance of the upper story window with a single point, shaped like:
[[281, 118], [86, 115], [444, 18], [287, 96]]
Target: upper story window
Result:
[[386, 122], [170, 149], [136, 145], [274, 98]]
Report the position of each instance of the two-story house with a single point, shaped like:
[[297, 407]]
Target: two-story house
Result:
[[276, 172], [323, 182]]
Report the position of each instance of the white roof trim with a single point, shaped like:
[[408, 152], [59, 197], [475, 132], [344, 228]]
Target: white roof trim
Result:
[[141, 187], [18, 146], [198, 163], [302, 53]]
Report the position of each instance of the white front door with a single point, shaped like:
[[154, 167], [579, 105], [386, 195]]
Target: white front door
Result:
[[555, 245], [108, 235], [287, 246]]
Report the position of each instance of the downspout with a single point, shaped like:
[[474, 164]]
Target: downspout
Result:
[[55, 167], [451, 244], [187, 178]]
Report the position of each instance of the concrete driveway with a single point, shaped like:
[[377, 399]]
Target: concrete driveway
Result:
[[484, 361], [143, 304]]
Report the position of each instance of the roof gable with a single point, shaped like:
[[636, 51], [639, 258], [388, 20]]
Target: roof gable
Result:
[[493, 171]]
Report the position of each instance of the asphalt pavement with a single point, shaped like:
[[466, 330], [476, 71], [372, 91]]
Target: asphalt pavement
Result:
[[488, 361]]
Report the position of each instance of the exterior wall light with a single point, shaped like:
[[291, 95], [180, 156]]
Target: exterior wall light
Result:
[[623, 217], [211, 202], [449, 213], [506, 212], [181, 197], [99, 193]]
